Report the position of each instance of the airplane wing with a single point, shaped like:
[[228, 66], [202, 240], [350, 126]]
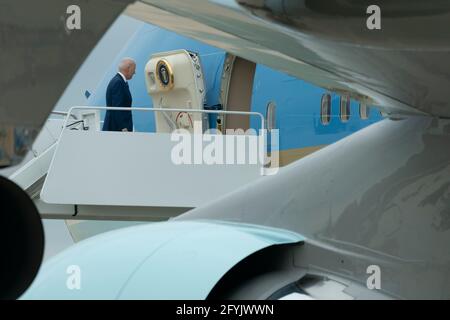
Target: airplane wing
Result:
[[402, 67]]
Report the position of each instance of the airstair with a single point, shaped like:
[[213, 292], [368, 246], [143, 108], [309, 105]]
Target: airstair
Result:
[[92, 174], [147, 176]]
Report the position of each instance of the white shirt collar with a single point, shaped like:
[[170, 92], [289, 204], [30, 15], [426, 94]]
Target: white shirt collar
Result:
[[123, 77]]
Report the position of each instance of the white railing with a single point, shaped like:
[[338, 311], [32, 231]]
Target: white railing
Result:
[[65, 114], [249, 113]]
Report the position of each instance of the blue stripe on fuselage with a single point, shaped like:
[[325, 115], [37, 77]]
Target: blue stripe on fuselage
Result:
[[298, 102]]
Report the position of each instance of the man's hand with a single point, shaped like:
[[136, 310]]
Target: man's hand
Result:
[[124, 130]]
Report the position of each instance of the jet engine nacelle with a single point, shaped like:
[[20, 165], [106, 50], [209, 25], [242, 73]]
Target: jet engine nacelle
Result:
[[174, 80], [21, 240]]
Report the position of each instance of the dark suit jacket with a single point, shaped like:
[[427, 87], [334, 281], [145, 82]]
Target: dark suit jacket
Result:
[[118, 95]]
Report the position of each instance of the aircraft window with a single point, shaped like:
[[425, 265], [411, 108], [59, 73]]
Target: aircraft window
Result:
[[270, 115], [364, 111], [345, 108], [325, 109]]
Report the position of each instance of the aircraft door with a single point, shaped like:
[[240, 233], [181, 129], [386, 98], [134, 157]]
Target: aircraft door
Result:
[[175, 80], [237, 90]]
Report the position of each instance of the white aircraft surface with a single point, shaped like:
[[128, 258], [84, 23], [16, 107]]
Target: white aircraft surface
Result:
[[357, 219]]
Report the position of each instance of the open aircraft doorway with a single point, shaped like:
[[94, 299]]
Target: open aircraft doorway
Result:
[[237, 91]]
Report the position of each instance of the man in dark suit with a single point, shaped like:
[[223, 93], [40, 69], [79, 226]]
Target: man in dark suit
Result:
[[118, 95]]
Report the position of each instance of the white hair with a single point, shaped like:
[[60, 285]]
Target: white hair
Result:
[[125, 63]]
